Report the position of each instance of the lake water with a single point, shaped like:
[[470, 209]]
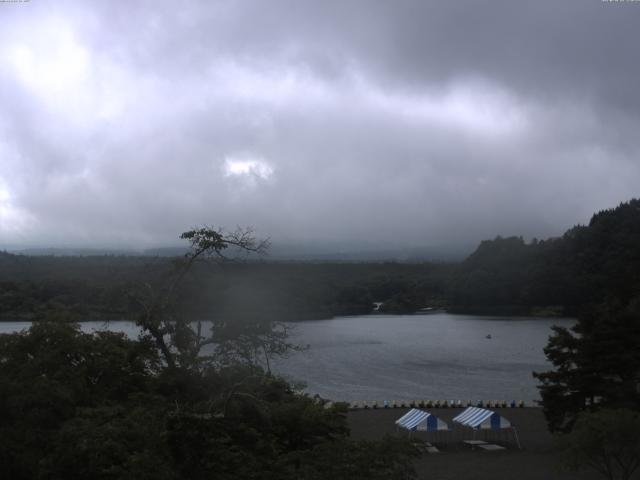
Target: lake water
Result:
[[434, 356], [406, 357]]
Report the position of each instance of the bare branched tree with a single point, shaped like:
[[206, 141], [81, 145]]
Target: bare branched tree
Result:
[[180, 340]]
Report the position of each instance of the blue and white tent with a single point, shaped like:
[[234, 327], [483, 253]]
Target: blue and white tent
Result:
[[481, 418], [419, 420]]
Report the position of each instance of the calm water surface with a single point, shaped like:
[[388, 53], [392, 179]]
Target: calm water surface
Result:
[[434, 356], [404, 357]]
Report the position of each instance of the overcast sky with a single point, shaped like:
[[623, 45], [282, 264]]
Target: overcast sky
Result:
[[375, 122]]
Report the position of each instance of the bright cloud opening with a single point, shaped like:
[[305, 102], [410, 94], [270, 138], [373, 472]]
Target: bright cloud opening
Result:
[[247, 167]]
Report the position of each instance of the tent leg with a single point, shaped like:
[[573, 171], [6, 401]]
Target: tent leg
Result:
[[515, 434]]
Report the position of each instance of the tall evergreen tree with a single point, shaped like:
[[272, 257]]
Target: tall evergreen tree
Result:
[[597, 363]]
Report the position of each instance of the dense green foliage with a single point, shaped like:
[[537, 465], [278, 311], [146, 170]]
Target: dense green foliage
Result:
[[101, 406], [56, 382], [95, 287], [597, 362], [607, 441], [587, 265], [100, 287]]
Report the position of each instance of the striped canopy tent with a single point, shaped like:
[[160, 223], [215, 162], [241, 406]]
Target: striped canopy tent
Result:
[[419, 420], [483, 419]]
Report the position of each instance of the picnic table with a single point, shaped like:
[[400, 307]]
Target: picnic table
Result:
[[474, 443], [489, 447]]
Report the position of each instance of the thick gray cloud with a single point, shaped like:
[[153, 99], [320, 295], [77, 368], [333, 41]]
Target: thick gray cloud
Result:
[[408, 122]]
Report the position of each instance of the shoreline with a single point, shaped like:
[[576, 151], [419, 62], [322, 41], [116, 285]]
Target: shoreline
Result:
[[540, 311]]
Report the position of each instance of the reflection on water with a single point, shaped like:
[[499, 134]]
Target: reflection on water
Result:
[[405, 357]]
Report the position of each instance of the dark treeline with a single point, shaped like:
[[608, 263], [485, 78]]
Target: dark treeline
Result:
[[84, 287], [557, 276], [99, 287], [592, 394], [588, 264]]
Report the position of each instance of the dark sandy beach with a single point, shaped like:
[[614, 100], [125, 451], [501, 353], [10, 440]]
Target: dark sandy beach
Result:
[[537, 459]]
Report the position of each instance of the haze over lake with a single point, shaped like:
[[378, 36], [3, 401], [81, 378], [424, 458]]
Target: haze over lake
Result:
[[404, 357]]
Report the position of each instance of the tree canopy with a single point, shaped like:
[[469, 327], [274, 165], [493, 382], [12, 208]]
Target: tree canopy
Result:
[[586, 266], [607, 441], [104, 406]]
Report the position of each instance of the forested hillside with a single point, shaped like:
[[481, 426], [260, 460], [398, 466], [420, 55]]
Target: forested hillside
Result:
[[588, 264], [100, 287]]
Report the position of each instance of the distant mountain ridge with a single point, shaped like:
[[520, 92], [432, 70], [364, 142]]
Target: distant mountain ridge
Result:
[[72, 252], [447, 253]]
